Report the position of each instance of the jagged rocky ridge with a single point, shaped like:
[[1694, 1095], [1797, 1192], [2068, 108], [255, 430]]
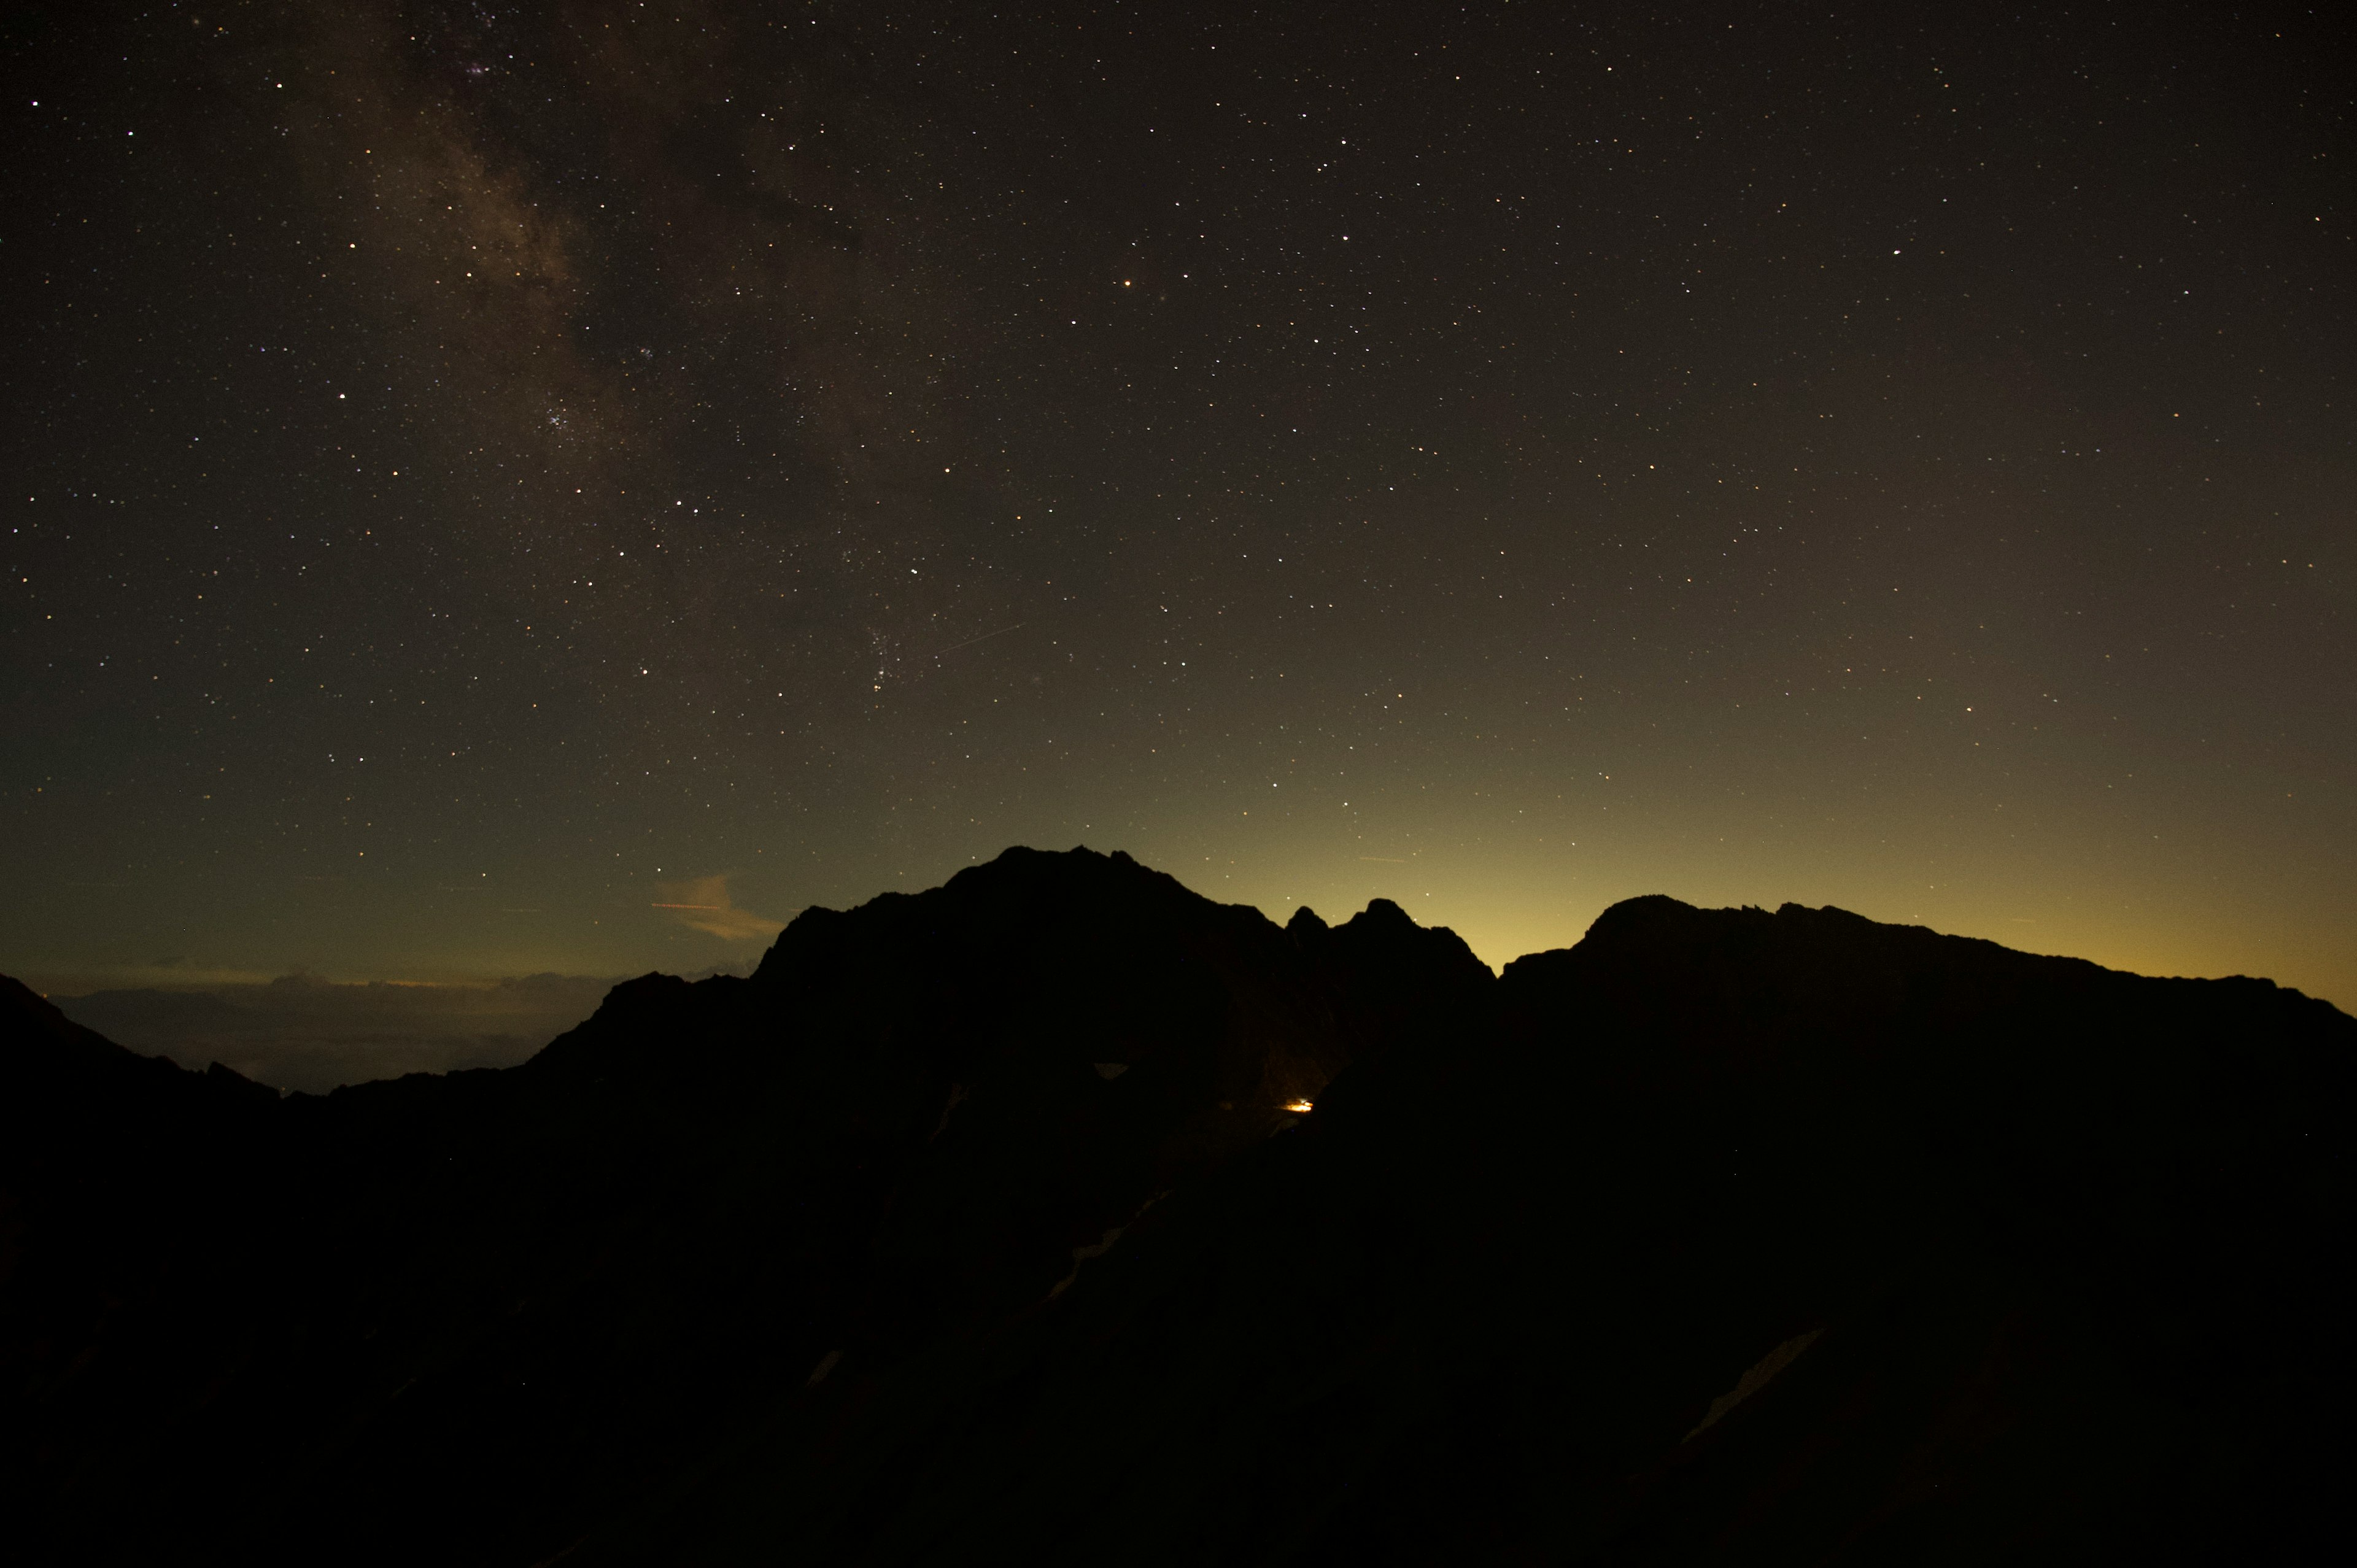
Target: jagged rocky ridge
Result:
[[973, 1228]]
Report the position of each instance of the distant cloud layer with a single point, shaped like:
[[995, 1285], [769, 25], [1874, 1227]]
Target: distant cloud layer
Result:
[[301, 1032]]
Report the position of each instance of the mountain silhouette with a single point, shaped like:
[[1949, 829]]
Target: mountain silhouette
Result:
[[1059, 1214]]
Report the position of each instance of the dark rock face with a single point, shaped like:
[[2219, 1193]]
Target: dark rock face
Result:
[[974, 1227]]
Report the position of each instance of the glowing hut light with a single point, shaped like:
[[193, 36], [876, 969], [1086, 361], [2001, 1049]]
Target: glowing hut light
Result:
[[1297, 1106]]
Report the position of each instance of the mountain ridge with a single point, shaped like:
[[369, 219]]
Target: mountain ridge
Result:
[[804, 1263]]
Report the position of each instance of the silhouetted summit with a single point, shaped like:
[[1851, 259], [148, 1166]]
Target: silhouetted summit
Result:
[[986, 1224]]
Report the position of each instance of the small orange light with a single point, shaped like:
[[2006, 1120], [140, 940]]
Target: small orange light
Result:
[[1297, 1105]]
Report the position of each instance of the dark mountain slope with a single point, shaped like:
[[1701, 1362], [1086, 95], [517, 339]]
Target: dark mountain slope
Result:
[[973, 1228], [2078, 1242], [2007, 1257], [117, 1173], [465, 1319]]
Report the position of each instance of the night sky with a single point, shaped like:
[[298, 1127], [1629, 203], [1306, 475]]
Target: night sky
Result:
[[499, 490]]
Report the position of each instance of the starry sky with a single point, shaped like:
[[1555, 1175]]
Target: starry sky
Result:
[[502, 489]]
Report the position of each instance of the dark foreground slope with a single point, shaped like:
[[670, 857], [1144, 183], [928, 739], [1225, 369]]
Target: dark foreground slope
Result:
[[1722, 1236], [468, 1319]]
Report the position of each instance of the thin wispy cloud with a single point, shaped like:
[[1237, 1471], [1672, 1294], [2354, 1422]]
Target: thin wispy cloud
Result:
[[703, 904]]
